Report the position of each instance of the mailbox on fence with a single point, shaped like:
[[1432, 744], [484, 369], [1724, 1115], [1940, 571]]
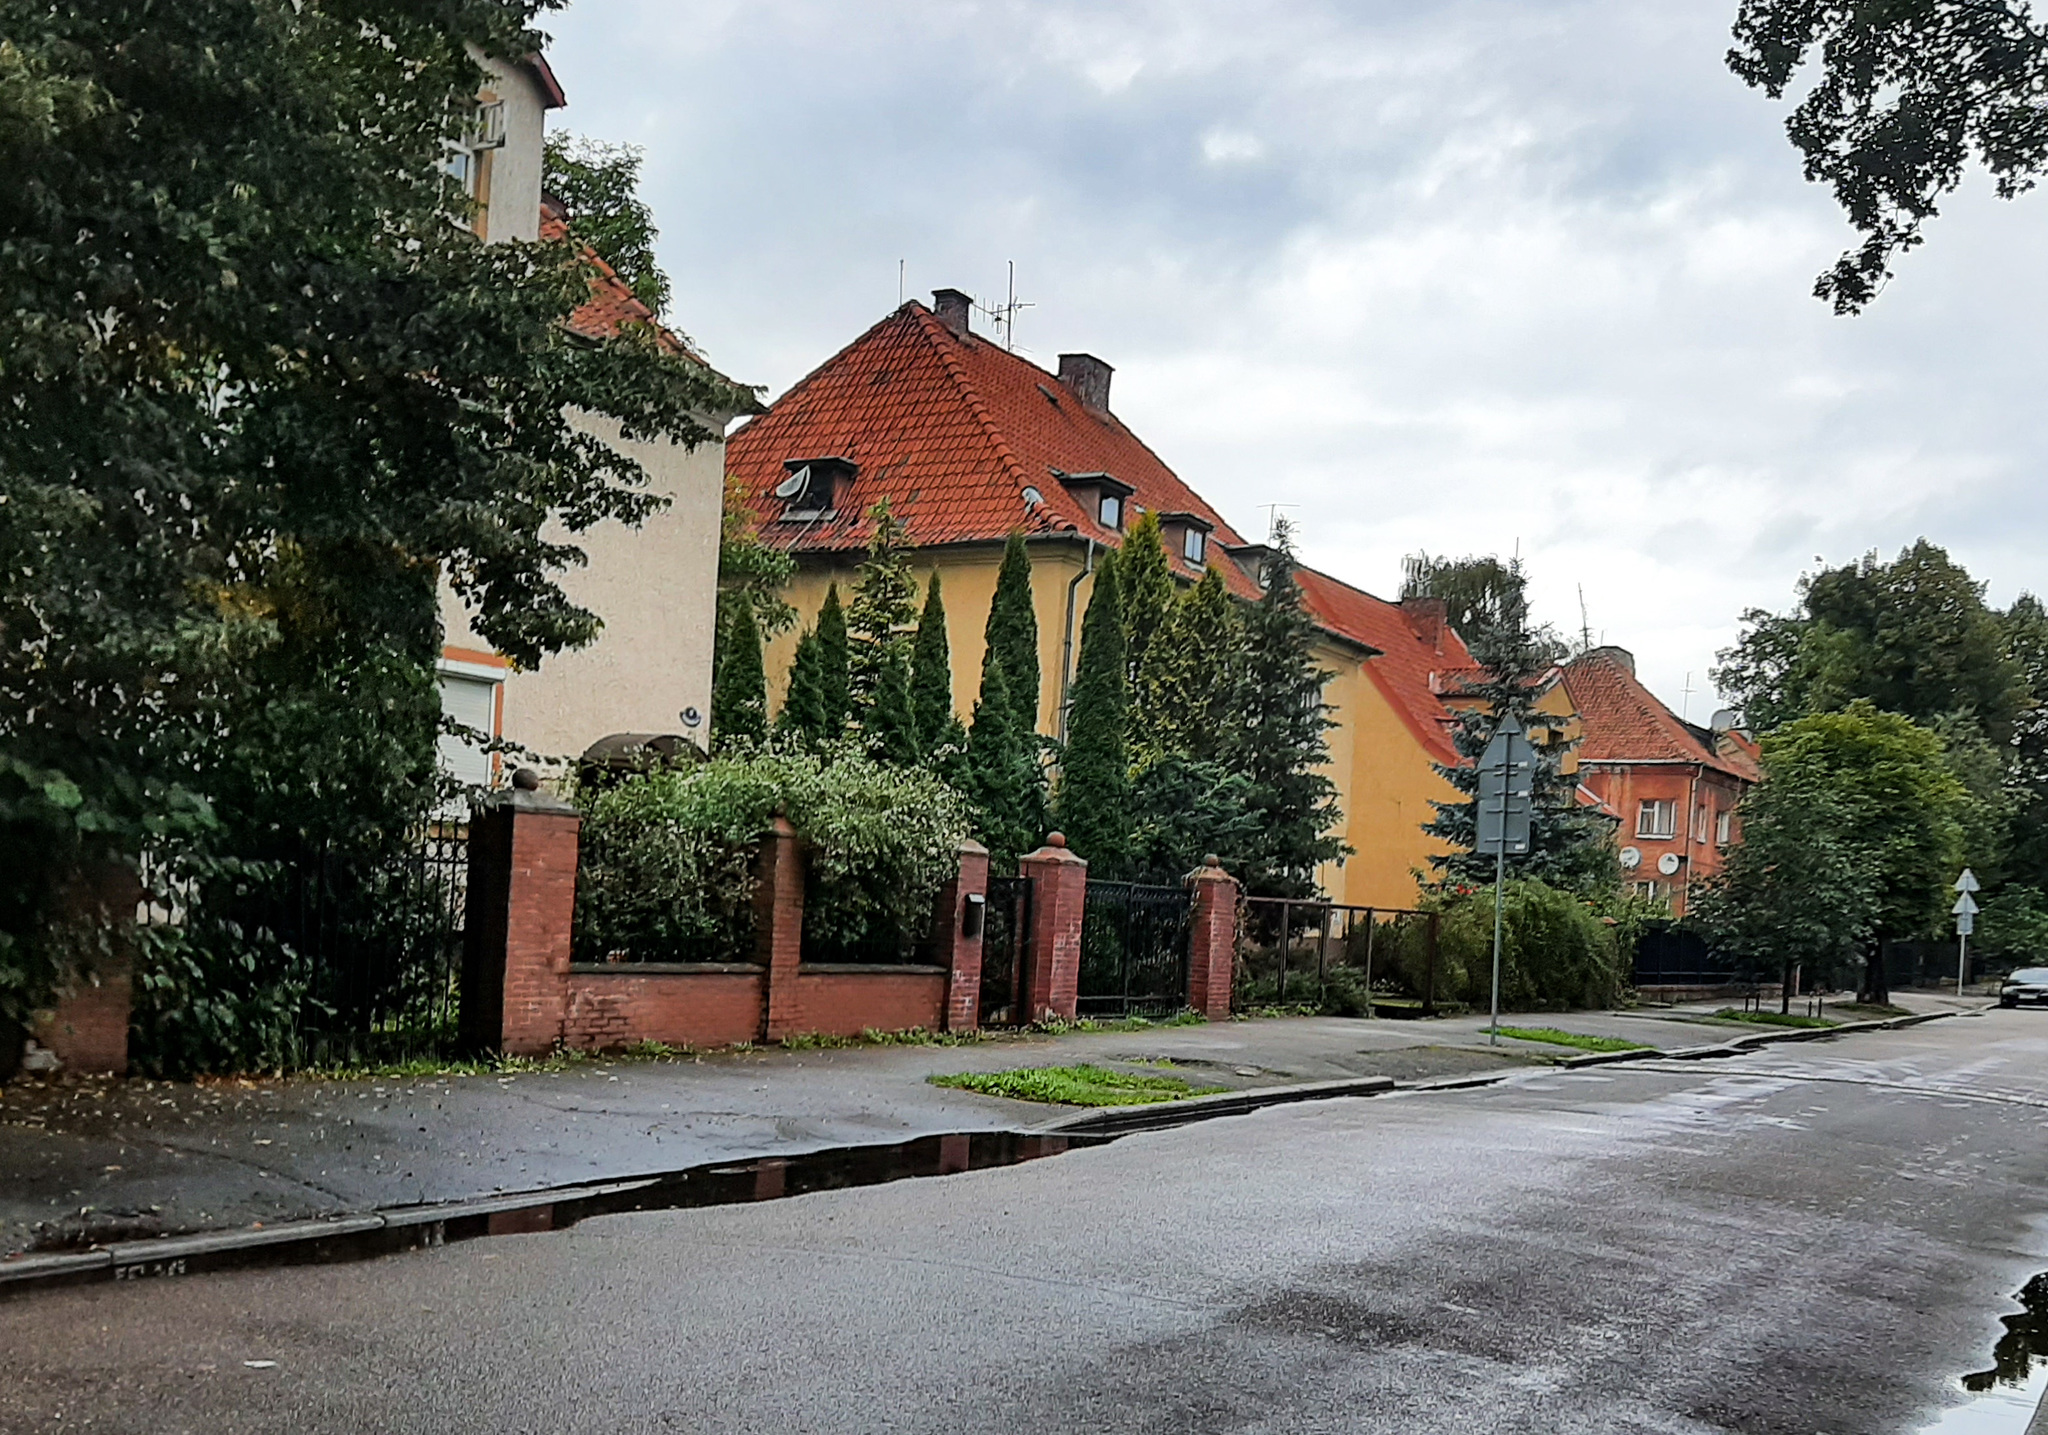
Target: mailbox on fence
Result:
[[973, 911]]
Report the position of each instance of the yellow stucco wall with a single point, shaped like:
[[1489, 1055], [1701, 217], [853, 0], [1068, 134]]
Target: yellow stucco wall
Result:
[[967, 578], [1385, 780]]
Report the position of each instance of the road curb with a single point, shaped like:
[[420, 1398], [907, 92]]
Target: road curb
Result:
[[1753, 1040], [1119, 1120]]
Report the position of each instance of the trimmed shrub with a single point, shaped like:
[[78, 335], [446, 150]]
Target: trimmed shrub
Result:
[[1556, 953], [667, 863]]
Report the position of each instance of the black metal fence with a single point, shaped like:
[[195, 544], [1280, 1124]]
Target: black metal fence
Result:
[[1671, 956], [1005, 933], [1134, 949], [1337, 957]]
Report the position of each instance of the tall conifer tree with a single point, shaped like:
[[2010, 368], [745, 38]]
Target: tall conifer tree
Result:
[[1093, 807], [884, 605], [739, 686], [1188, 684], [803, 705], [1276, 739], [835, 693], [1011, 637], [890, 728], [1147, 592], [1000, 776], [931, 672]]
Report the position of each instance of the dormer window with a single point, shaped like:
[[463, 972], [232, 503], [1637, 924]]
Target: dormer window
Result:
[[1188, 535], [1109, 499], [813, 486]]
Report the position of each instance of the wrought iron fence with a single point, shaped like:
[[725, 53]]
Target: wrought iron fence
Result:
[[1669, 956], [1005, 933], [1134, 948], [1336, 957]]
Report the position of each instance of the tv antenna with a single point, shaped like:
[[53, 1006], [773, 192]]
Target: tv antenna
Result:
[[1273, 517], [899, 282], [1585, 624], [1004, 315], [1685, 700]]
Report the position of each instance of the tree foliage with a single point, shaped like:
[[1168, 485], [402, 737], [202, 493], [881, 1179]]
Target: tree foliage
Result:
[[1485, 600], [1907, 94], [835, 685], [1011, 635], [1001, 776], [1092, 804], [598, 186], [931, 672], [1147, 593], [1189, 682], [802, 717], [739, 683], [883, 609], [257, 394], [1275, 737]]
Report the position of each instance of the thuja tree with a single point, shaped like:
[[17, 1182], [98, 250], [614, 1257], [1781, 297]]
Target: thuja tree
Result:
[[1000, 775], [1276, 740], [1092, 806], [803, 703], [1568, 848], [1010, 638], [835, 692], [256, 394], [883, 608], [1188, 685], [739, 683], [1148, 597], [931, 673]]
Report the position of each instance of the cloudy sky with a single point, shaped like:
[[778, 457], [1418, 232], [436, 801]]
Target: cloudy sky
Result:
[[1459, 276]]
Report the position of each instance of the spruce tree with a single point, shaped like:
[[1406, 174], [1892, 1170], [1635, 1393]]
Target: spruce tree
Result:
[[835, 694], [1148, 592], [1187, 686], [1276, 738], [1093, 807], [1000, 776], [739, 685], [888, 724], [803, 706], [884, 605], [1011, 637], [931, 672], [1568, 848]]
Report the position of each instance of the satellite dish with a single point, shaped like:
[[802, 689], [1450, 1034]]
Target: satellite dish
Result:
[[1032, 497], [1631, 858], [1668, 864], [796, 483]]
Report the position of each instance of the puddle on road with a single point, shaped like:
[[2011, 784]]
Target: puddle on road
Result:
[[720, 1183], [2008, 1394]]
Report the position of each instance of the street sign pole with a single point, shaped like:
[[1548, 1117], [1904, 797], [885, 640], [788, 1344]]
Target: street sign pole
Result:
[[1965, 913], [1506, 793]]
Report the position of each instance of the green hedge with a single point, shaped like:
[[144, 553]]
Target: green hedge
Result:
[[1556, 952], [667, 866]]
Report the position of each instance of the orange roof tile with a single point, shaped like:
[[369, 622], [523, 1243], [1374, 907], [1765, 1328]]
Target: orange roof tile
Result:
[[612, 303], [953, 429], [1414, 654], [1625, 722]]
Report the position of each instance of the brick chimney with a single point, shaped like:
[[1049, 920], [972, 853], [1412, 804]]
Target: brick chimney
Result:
[[1088, 377], [1428, 617], [953, 309]]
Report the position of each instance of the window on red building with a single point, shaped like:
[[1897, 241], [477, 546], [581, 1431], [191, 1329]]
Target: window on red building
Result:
[[1656, 819]]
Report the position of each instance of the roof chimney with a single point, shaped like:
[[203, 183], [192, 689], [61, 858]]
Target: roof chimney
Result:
[[1428, 617], [952, 307], [1088, 377]]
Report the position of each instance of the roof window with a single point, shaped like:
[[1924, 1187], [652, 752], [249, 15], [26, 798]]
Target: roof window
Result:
[[813, 486]]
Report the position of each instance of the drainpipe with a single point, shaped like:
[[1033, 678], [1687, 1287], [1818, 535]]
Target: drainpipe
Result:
[[1067, 641], [1692, 803]]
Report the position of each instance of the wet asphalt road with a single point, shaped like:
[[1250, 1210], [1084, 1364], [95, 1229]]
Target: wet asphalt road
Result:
[[1818, 1238]]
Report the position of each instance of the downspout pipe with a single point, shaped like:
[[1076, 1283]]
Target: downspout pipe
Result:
[[1067, 640]]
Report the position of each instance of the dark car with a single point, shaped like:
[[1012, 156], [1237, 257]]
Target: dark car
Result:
[[2028, 984]]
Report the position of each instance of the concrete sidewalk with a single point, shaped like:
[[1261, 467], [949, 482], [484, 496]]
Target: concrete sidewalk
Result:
[[92, 1161]]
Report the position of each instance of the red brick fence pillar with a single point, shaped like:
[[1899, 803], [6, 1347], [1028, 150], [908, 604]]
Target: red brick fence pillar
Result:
[[779, 927], [1212, 940], [1052, 960], [957, 923], [518, 917]]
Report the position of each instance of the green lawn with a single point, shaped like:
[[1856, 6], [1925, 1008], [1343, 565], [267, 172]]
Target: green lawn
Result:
[[1082, 1085], [1571, 1038], [1772, 1018]]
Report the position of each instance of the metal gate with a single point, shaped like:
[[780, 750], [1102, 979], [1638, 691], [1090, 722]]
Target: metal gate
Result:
[[1134, 948], [1005, 931]]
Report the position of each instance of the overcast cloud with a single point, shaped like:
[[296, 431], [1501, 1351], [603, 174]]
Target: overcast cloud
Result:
[[1456, 276]]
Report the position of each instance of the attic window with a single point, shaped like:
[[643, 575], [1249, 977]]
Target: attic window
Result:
[[1194, 546], [812, 487], [1108, 498], [1187, 534], [1112, 511]]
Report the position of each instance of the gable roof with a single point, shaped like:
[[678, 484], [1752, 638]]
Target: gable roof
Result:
[[1625, 722], [1412, 655], [953, 429]]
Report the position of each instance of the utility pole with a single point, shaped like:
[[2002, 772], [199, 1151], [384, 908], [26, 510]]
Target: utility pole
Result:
[[1507, 790]]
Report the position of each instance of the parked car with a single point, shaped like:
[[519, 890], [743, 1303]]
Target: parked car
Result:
[[2028, 984]]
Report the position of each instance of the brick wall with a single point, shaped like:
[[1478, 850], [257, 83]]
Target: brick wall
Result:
[[1212, 941], [1052, 959], [836, 1000], [88, 1028], [607, 1007], [960, 952]]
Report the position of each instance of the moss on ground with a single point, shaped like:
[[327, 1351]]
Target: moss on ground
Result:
[[1083, 1085], [1571, 1038]]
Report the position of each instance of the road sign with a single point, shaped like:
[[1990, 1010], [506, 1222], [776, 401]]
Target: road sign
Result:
[[1967, 883], [1507, 789], [1966, 923], [1966, 906], [1965, 913]]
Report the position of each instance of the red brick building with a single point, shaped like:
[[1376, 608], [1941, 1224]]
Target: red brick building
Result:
[[1673, 783]]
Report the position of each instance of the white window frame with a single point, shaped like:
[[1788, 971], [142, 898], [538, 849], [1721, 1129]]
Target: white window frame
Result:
[[1657, 819], [456, 670], [1111, 511], [1724, 827], [1194, 546]]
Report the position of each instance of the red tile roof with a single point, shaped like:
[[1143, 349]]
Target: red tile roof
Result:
[[1414, 655], [953, 429], [1624, 722], [612, 303]]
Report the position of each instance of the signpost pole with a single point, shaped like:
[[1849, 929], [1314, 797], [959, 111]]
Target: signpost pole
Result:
[[1500, 879], [1962, 960], [1965, 912]]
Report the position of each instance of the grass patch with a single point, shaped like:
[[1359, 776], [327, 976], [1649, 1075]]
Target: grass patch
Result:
[[1571, 1038], [1867, 1011], [1772, 1018], [1082, 1085]]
